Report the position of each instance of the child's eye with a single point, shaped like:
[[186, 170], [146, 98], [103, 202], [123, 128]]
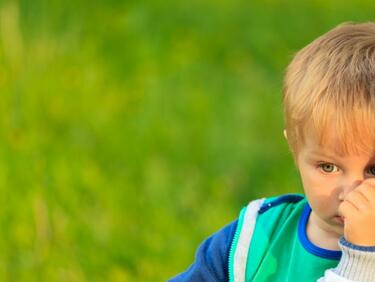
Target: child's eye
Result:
[[329, 168], [371, 170]]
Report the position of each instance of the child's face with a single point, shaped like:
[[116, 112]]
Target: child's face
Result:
[[328, 177]]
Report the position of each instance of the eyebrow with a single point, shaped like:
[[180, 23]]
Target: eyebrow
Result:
[[322, 154], [336, 157], [333, 157]]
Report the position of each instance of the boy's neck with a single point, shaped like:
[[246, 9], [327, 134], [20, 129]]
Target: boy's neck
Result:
[[319, 234]]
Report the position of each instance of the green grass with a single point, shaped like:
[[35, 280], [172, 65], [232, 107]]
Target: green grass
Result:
[[131, 130]]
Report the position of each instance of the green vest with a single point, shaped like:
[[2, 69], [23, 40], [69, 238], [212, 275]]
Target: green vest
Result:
[[270, 243]]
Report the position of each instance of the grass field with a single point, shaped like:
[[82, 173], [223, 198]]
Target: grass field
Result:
[[131, 130]]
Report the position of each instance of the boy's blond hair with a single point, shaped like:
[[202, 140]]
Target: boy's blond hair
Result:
[[330, 86]]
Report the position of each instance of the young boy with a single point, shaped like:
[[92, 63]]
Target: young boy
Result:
[[328, 234]]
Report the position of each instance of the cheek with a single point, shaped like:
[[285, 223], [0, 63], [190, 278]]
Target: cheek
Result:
[[315, 183], [311, 183], [320, 190], [321, 195]]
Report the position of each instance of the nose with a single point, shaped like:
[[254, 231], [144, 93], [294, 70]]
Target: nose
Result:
[[349, 184]]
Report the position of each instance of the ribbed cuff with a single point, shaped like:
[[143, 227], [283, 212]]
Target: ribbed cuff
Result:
[[357, 262]]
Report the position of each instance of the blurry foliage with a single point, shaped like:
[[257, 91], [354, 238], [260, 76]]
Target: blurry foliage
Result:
[[131, 130]]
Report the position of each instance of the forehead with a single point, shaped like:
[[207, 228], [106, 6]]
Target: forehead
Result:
[[339, 120], [331, 142]]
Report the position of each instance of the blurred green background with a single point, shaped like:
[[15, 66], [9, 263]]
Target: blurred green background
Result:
[[132, 130]]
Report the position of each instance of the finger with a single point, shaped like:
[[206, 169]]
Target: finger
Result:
[[368, 192], [357, 199], [346, 208], [370, 181]]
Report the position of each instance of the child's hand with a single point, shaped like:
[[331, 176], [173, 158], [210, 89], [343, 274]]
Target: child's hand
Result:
[[358, 210]]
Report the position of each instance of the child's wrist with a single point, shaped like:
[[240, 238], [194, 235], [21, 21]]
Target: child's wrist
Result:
[[357, 262]]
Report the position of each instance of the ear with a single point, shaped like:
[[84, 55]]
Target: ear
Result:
[[285, 135]]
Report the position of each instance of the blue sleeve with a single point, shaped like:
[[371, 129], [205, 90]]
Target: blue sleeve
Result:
[[211, 258]]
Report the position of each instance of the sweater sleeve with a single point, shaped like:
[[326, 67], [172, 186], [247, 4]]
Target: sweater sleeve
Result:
[[211, 258], [356, 264]]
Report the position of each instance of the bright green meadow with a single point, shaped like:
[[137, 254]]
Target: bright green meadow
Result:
[[132, 130]]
